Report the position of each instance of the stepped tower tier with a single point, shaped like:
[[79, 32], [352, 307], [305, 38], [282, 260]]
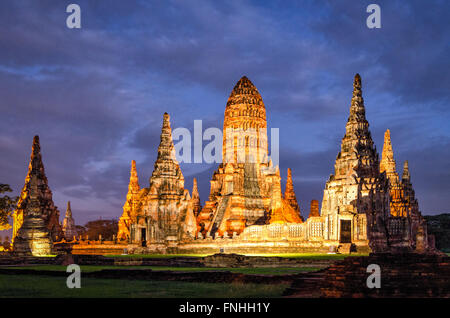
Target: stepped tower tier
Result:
[[33, 237], [49, 212], [167, 179], [69, 229], [245, 126], [289, 194], [356, 196], [131, 205], [387, 163], [163, 212], [398, 204], [244, 188], [418, 222]]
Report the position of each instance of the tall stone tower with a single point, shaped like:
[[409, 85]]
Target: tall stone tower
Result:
[[48, 211], [69, 224], [398, 205], [244, 125], [164, 210], [245, 189], [356, 197], [131, 205]]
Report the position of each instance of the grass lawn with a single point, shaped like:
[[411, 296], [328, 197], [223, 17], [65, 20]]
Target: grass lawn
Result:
[[260, 271], [46, 286]]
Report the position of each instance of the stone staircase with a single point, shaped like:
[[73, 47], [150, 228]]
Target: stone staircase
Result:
[[219, 216]]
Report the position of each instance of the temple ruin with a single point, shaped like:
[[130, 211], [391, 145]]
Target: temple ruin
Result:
[[365, 207]]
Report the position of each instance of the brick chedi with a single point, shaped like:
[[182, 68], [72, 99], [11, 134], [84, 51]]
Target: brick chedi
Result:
[[282, 210], [356, 197], [418, 226], [48, 211], [398, 205], [245, 189], [68, 227], [131, 205], [289, 194], [162, 213], [33, 237]]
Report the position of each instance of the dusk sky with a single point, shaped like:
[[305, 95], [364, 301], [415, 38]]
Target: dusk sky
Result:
[[96, 95]]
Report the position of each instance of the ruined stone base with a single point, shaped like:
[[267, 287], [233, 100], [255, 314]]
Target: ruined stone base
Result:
[[402, 275], [210, 246], [33, 239]]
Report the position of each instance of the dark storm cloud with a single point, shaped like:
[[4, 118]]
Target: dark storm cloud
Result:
[[96, 95]]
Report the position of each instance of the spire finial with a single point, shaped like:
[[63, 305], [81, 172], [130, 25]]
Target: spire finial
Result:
[[289, 193], [133, 186], [68, 210], [387, 163]]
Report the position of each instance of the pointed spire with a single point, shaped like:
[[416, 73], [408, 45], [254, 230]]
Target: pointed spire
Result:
[[167, 178], [387, 163], [358, 154], [406, 175], [289, 193], [133, 186], [166, 149], [196, 198], [357, 110], [69, 228], [195, 189], [68, 210], [36, 167], [36, 177]]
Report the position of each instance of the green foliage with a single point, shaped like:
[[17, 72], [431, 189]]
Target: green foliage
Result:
[[7, 206], [439, 226], [47, 286]]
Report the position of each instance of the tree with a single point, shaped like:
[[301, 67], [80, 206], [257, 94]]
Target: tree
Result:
[[7, 206], [105, 228]]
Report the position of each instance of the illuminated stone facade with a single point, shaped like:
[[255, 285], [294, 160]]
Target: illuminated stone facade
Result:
[[130, 208], [161, 214], [48, 211], [36, 219], [245, 189], [365, 206]]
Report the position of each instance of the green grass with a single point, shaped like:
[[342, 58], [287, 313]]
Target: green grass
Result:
[[46, 286], [256, 271]]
